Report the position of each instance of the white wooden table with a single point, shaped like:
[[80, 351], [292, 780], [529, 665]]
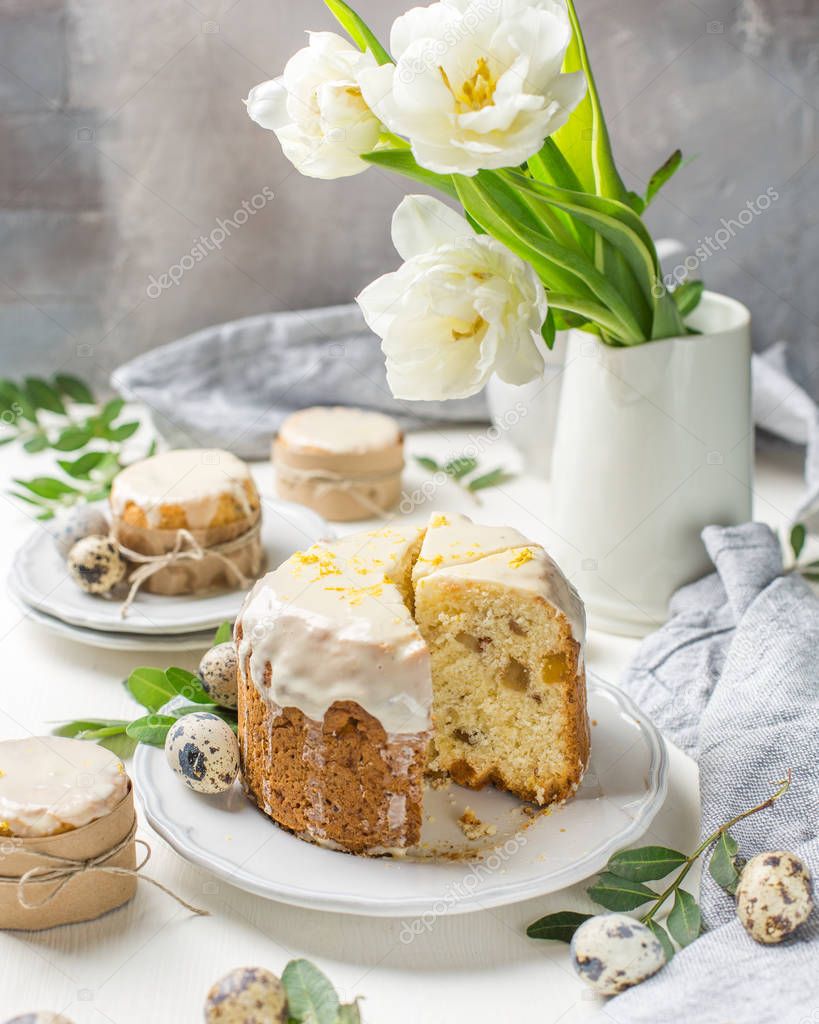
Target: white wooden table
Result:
[[153, 961]]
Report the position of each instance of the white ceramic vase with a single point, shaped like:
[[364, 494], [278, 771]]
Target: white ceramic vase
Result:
[[653, 443], [526, 414]]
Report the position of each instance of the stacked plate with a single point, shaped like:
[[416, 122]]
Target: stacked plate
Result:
[[39, 583]]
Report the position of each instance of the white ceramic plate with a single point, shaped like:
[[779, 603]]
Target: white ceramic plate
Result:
[[114, 641], [623, 789], [39, 577]]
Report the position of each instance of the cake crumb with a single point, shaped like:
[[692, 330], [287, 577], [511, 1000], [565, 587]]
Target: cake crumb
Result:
[[437, 780], [472, 826]]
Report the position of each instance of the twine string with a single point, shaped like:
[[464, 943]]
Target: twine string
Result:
[[326, 481], [63, 869], [148, 565]]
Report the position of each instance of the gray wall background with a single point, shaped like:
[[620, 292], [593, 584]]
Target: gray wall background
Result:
[[123, 139]]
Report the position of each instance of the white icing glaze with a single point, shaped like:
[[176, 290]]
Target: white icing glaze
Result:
[[193, 478], [333, 626], [339, 429], [453, 539], [531, 570], [50, 783]]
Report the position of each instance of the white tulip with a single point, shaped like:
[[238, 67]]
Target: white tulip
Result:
[[476, 83], [317, 110], [461, 307]]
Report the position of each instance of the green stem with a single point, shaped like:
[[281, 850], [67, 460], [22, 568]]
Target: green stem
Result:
[[387, 138], [784, 785]]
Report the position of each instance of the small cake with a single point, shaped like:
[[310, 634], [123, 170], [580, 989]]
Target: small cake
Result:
[[368, 661], [211, 495], [52, 784], [187, 488], [345, 463]]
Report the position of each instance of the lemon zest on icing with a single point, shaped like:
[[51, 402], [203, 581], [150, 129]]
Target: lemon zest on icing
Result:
[[521, 558]]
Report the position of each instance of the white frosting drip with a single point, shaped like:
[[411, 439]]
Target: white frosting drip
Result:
[[193, 478], [453, 539], [51, 783], [333, 626], [339, 429]]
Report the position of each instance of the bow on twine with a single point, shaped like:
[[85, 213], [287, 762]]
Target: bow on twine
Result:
[[192, 551], [65, 869]]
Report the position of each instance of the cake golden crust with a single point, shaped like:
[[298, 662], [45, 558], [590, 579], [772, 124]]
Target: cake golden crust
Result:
[[342, 782]]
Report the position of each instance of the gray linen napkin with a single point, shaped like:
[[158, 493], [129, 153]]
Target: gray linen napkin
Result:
[[231, 385], [785, 410], [733, 678]]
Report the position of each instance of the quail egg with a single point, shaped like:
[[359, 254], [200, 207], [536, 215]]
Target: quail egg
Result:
[[75, 523], [774, 895], [41, 1017], [248, 995], [612, 952], [95, 565], [217, 670], [203, 751]]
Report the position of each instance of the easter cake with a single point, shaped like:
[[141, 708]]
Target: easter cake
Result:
[[343, 462], [366, 662], [199, 505]]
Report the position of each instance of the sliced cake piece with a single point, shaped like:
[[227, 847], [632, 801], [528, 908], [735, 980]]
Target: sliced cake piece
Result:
[[505, 634]]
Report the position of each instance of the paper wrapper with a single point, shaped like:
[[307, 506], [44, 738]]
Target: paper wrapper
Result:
[[84, 896], [194, 576], [344, 486]]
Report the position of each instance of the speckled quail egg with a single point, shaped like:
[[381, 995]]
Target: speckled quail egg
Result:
[[41, 1017], [95, 565], [203, 751], [72, 524], [217, 670], [774, 895], [248, 995], [612, 952]]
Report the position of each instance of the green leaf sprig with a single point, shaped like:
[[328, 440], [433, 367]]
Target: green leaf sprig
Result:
[[797, 539], [621, 887], [88, 476], [312, 999], [459, 468], [153, 688]]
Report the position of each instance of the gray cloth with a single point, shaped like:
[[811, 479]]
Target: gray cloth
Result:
[[785, 410], [732, 678], [231, 385]]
